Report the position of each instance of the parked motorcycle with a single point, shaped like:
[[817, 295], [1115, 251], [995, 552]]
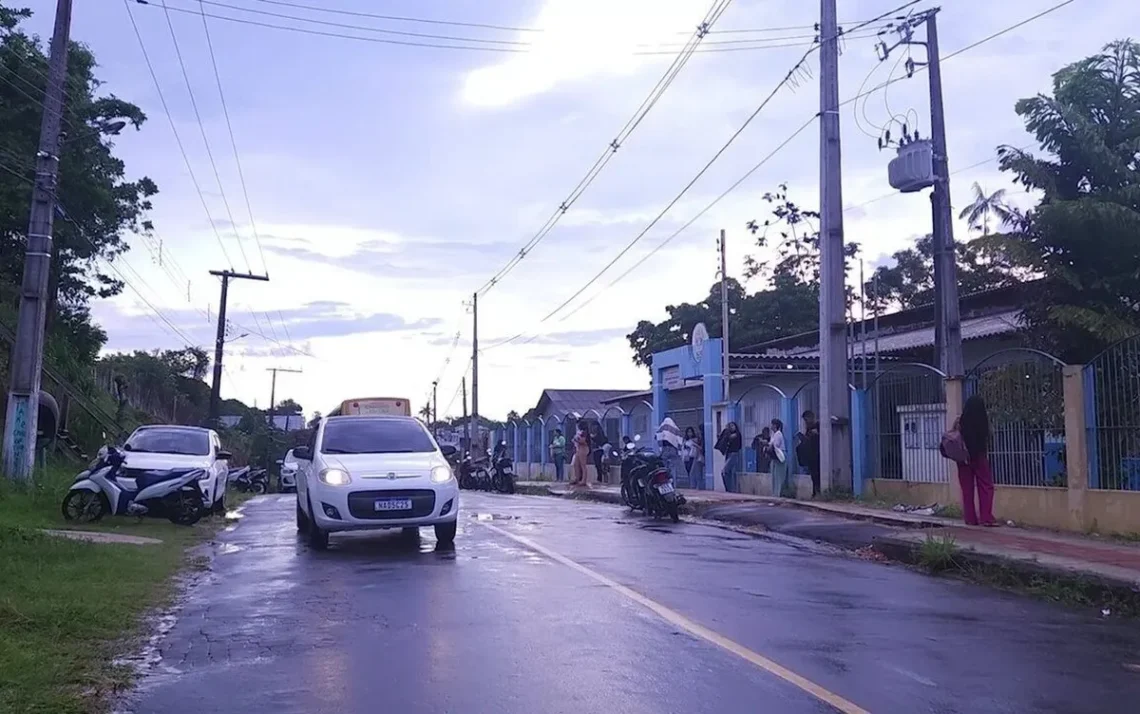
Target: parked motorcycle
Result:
[[250, 480], [473, 475], [503, 471], [108, 487], [647, 485]]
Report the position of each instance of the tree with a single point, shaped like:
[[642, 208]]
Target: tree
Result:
[[984, 206], [288, 406], [909, 283], [1084, 236], [98, 204], [512, 415], [191, 362]]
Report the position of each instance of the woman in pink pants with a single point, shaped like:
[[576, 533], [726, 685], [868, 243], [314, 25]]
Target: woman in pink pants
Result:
[[974, 426]]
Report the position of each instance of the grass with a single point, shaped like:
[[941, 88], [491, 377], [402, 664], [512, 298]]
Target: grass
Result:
[[938, 553], [67, 608]]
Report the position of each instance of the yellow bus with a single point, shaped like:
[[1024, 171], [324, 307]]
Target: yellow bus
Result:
[[371, 406]]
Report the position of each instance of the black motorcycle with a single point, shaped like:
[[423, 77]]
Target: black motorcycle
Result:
[[647, 485], [473, 475], [503, 471], [250, 480]]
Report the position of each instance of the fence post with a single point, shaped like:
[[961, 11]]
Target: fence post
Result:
[[858, 440], [529, 450], [543, 448], [1088, 387], [1077, 423], [955, 398]]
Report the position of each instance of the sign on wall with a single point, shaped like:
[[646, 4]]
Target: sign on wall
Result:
[[700, 339], [671, 378]]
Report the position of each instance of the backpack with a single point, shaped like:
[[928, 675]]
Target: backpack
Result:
[[953, 446]]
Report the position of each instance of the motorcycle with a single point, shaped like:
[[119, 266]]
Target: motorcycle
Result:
[[503, 474], [105, 487], [473, 475], [647, 485], [250, 480]]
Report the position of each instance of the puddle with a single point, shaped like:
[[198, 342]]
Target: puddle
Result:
[[229, 549], [493, 517], [234, 515]]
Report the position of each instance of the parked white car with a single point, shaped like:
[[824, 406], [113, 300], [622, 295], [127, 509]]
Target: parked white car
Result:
[[287, 480], [165, 446], [367, 472]]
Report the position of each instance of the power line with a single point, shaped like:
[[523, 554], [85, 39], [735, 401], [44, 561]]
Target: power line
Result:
[[715, 11], [205, 139], [364, 28], [177, 137], [398, 18]]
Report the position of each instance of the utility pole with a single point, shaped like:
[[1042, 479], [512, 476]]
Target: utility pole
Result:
[[834, 402], [272, 409], [21, 423], [724, 314], [475, 364], [434, 409], [220, 342], [273, 389], [466, 421], [948, 328]]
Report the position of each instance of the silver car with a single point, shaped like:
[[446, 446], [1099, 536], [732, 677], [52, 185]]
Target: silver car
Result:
[[288, 479]]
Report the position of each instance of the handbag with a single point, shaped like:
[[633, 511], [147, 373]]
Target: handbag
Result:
[[953, 446]]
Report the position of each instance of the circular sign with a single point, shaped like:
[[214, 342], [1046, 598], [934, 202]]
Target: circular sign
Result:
[[700, 337]]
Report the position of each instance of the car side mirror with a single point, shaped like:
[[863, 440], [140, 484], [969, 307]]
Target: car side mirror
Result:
[[448, 450], [302, 453], [127, 447], [224, 456]]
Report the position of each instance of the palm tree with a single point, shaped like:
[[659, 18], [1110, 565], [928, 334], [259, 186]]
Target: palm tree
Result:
[[426, 412], [978, 213]]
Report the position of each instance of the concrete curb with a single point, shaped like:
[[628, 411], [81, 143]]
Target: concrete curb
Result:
[[1027, 570]]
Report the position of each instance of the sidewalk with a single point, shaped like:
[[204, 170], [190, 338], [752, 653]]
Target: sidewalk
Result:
[[899, 535]]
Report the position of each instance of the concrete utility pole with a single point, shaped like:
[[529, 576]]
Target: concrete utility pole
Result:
[[273, 408], [21, 423], [948, 328], [466, 421], [475, 364], [834, 401], [724, 314], [434, 408], [220, 341]]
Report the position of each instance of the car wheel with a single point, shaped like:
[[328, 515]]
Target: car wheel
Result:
[[318, 537], [302, 519], [445, 532]]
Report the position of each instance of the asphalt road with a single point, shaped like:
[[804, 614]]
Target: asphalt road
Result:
[[546, 606]]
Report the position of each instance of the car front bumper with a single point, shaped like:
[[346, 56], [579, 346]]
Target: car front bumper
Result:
[[353, 507]]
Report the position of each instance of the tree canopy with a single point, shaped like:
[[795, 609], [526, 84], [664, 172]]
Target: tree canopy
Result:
[[1084, 235]]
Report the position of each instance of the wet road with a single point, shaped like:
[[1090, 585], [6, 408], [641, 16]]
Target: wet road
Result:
[[547, 606]]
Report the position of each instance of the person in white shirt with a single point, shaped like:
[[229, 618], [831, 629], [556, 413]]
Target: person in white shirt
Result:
[[777, 449], [693, 453]]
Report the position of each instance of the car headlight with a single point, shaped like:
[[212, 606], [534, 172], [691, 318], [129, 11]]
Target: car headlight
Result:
[[440, 474], [334, 477]]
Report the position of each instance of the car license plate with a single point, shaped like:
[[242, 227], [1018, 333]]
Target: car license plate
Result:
[[665, 488], [394, 504]]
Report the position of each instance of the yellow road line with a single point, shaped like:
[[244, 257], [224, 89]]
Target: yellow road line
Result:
[[678, 620]]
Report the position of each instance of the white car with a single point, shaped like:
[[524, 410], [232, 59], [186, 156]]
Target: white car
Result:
[[163, 446], [367, 472], [287, 480]]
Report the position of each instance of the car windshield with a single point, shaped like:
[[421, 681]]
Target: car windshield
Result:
[[347, 435], [188, 442]]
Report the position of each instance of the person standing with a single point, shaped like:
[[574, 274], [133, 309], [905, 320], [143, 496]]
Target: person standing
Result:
[[669, 441], [778, 452], [579, 464], [974, 426], [808, 450], [730, 444], [691, 449], [558, 454], [761, 444]]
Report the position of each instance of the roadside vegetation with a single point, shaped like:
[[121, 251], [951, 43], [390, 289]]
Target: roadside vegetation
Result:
[[68, 608]]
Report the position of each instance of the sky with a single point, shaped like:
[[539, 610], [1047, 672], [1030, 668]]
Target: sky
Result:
[[388, 182]]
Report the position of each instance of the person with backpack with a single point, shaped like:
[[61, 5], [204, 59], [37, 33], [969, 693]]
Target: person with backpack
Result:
[[730, 443], [808, 450], [967, 444]]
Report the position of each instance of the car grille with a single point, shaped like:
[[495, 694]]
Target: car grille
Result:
[[362, 504]]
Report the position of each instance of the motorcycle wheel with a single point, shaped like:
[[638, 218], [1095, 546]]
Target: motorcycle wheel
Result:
[[259, 488], [674, 512], [186, 508], [510, 485], [84, 506]]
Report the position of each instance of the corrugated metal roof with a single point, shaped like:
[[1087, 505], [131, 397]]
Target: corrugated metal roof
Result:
[[973, 328], [565, 401]]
